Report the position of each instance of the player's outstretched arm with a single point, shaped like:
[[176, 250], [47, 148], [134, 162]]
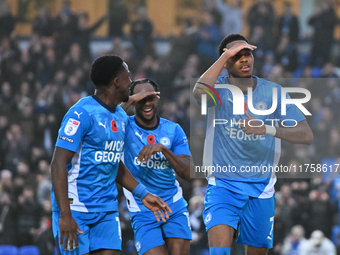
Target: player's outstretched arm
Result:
[[301, 133], [210, 76], [67, 225], [137, 97], [182, 164], [152, 202]]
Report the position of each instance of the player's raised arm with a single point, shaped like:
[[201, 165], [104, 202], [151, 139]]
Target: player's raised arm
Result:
[[152, 202], [210, 76], [67, 225]]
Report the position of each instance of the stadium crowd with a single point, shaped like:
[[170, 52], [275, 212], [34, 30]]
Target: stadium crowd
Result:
[[39, 83]]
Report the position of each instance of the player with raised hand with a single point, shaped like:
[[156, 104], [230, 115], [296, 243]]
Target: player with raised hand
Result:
[[239, 200], [87, 164], [156, 149]]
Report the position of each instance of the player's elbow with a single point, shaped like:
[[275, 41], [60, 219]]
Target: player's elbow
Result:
[[309, 137]]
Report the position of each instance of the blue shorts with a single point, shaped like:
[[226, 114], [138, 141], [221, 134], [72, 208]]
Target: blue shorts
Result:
[[149, 233], [101, 231], [252, 217]]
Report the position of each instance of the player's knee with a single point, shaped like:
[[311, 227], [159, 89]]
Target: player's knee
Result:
[[219, 250]]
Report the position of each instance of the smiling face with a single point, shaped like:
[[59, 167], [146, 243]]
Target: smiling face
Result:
[[146, 108], [241, 65]]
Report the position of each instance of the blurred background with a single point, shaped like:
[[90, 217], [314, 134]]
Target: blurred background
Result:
[[47, 47]]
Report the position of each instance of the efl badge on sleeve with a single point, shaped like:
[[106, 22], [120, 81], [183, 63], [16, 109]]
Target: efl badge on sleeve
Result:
[[71, 127]]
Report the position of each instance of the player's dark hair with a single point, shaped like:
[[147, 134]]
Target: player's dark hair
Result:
[[106, 68], [141, 81], [228, 39]]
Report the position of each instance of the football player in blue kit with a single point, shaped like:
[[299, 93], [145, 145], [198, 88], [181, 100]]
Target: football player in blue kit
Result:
[[156, 149], [87, 164], [239, 200]]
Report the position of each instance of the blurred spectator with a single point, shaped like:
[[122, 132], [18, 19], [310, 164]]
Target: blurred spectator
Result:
[[84, 31], [43, 23], [208, 38], [29, 216], [289, 24], [7, 21], [8, 220], [199, 239], [118, 17], [231, 13], [43, 237], [288, 206], [44, 182], [65, 27], [295, 242], [318, 244], [323, 20], [182, 46], [15, 147], [141, 34], [262, 14], [321, 212], [268, 64], [258, 38], [286, 55]]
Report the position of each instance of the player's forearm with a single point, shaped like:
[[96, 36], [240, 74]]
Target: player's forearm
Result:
[[125, 178], [209, 77], [182, 166], [60, 187], [301, 134], [126, 105]]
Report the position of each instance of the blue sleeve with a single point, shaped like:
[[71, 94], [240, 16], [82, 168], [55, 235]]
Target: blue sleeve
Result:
[[74, 127], [292, 112], [180, 144]]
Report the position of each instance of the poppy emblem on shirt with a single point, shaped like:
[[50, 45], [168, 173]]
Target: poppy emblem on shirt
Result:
[[245, 106], [114, 127], [151, 139]]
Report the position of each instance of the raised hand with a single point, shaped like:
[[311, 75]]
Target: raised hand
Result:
[[149, 150], [255, 126], [237, 48]]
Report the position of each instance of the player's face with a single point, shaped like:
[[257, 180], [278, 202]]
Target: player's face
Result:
[[125, 82], [146, 108], [241, 65]]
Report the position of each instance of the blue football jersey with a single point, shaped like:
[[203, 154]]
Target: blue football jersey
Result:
[[243, 163], [155, 174], [95, 132]]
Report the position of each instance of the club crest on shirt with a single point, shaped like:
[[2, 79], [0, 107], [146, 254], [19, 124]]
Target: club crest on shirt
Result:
[[165, 141], [208, 218], [71, 127], [123, 126], [138, 246], [261, 105]]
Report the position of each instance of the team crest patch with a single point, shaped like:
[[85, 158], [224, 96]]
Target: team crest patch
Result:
[[138, 246], [123, 126], [261, 106], [207, 218], [165, 141], [71, 127]]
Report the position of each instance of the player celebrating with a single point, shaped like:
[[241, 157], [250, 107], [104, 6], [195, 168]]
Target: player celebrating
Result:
[[86, 163], [243, 201], [155, 148]]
